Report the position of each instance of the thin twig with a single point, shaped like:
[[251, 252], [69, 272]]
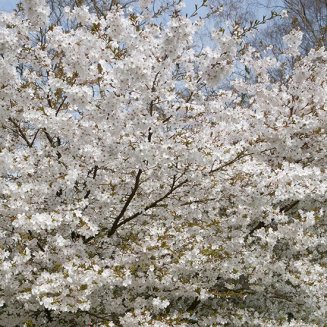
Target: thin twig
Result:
[[230, 162], [61, 104]]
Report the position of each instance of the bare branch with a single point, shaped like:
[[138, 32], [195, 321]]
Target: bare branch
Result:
[[152, 205], [116, 223], [34, 138], [240, 156], [61, 104], [50, 139], [22, 134], [230, 162], [39, 245], [288, 207]]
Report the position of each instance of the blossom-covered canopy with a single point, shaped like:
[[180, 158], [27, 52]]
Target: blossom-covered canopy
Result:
[[134, 191]]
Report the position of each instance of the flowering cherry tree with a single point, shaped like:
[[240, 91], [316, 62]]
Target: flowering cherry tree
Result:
[[136, 192]]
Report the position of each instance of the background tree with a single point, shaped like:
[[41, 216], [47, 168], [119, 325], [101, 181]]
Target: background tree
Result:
[[310, 17]]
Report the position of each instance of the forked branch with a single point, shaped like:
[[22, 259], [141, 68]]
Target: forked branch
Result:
[[118, 222]]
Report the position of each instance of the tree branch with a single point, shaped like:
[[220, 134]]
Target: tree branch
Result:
[[39, 245], [23, 135], [49, 138], [116, 223], [230, 162], [152, 205], [241, 155], [288, 207], [61, 104]]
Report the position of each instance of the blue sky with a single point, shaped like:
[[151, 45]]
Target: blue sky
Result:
[[8, 5]]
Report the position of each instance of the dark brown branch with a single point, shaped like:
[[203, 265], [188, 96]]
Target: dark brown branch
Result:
[[188, 99], [48, 314], [40, 246], [288, 207], [37, 241], [174, 188], [34, 138], [50, 139], [61, 104], [241, 155], [167, 119], [260, 225], [21, 133], [193, 305], [150, 133], [112, 3], [49, 101], [153, 88], [96, 168], [98, 11], [151, 107], [230, 162], [116, 223], [150, 206], [198, 201], [93, 171]]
